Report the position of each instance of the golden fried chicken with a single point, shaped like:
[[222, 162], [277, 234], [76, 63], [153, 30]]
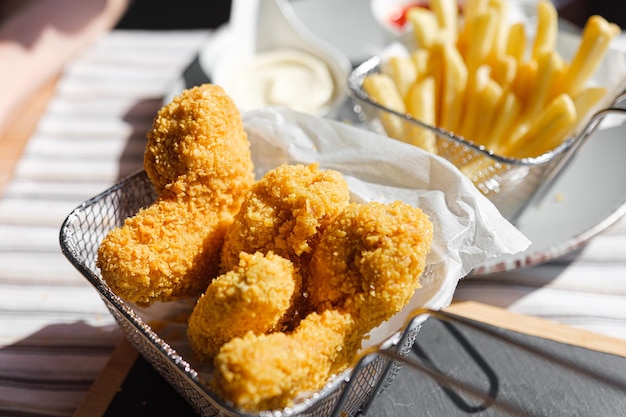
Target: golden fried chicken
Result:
[[256, 296], [364, 270], [198, 158], [197, 147], [285, 212], [167, 251], [263, 372], [370, 259]]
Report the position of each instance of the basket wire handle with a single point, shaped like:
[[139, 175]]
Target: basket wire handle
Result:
[[448, 382]]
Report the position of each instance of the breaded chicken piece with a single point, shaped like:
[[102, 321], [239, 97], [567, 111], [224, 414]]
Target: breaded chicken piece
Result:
[[370, 259], [268, 371], [198, 147], [285, 212], [167, 251], [198, 158], [364, 270], [256, 296]]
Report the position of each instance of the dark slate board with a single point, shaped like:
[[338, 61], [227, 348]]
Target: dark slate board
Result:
[[554, 380]]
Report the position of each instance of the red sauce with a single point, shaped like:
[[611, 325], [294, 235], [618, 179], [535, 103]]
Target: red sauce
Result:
[[397, 17]]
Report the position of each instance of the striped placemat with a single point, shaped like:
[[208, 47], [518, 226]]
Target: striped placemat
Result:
[[55, 333]]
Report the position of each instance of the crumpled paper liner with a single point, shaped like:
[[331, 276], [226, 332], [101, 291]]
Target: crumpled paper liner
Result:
[[468, 229]]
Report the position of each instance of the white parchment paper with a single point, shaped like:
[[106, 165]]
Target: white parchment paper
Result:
[[468, 229]]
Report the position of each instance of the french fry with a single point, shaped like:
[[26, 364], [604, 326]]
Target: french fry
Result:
[[549, 66], [447, 13], [483, 31], [381, 88], [509, 142], [509, 113], [421, 59], [596, 38], [471, 9], [425, 26], [523, 84], [547, 29], [486, 102], [476, 83], [402, 71], [436, 69], [474, 7], [420, 101], [516, 41], [453, 89], [501, 8], [557, 85], [480, 169], [504, 70], [548, 130], [421, 105], [586, 100]]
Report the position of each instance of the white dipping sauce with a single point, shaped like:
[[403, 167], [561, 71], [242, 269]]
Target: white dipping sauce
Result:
[[281, 77]]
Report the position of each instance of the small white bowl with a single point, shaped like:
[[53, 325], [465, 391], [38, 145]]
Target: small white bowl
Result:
[[274, 28]]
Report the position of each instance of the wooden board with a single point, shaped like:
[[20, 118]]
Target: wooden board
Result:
[[14, 139], [537, 327], [108, 383]]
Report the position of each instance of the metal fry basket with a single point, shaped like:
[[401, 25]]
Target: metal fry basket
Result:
[[80, 237], [509, 183], [349, 394]]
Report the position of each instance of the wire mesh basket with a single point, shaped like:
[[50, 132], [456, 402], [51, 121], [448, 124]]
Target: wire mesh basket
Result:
[[80, 237], [510, 183]]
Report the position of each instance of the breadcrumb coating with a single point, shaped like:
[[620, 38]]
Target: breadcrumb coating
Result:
[[165, 252], [198, 147], [255, 296], [370, 259], [285, 212], [198, 158], [263, 372], [364, 270]]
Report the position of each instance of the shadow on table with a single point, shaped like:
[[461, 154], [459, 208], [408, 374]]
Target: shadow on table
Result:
[[499, 372], [515, 374], [139, 117], [504, 289], [53, 368]]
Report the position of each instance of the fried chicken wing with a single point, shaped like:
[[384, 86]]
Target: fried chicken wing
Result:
[[364, 270], [198, 158], [285, 212], [256, 296]]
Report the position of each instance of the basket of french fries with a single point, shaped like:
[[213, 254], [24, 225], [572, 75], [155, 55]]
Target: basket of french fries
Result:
[[507, 101]]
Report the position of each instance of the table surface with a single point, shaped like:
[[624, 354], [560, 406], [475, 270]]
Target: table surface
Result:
[[85, 132], [476, 355]]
